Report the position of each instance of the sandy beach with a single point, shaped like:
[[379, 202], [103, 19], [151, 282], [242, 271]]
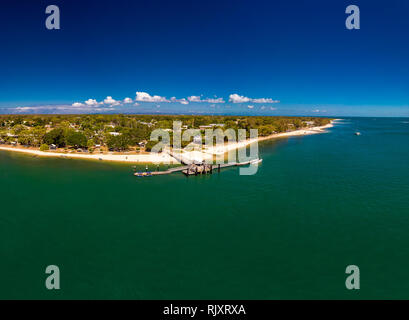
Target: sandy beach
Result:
[[165, 157], [132, 158], [237, 145]]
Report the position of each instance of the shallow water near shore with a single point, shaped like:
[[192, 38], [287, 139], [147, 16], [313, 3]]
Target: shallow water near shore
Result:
[[317, 204]]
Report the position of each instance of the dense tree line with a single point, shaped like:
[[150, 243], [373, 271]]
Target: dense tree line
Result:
[[119, 132]]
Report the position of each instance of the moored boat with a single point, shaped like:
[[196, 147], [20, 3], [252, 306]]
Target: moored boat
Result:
[[143, 174]]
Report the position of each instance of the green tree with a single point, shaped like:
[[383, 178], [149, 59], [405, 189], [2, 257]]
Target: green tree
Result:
[[25, 138], [90, 143], [76, 139], [55, 136], [118, 143], [44, 147]]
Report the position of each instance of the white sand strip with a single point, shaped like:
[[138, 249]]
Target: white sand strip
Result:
[[237, 145], [134, 158]]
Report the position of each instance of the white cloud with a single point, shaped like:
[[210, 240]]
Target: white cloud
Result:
[[215, 100], [250, 107], [235, 98], [94, 103], [109, 100], [272, 109], [22, 109], [182, 101], [91, 102], [146, 97], [194, 99], [209, 100], [264, 100], [104, 109], [73, 108]]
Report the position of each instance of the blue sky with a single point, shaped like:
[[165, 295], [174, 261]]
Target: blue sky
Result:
[[257, 57]]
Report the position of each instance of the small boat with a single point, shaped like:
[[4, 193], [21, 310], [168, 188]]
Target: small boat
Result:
[[256, 161], [357, 133], [143, 174]]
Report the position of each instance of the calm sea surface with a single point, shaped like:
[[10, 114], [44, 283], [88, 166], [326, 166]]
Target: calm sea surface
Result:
[[317, 204]]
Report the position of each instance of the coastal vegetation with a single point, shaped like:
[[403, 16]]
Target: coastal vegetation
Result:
[[87, 133]]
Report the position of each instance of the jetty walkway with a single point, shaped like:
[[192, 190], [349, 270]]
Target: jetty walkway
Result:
[[195, 169]]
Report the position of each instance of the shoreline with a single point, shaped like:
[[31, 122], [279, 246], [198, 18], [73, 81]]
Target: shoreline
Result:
[[127, 158], [300, 132], [165, 157]]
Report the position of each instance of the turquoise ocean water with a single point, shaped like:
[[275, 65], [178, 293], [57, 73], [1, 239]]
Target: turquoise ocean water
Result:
[[317, 204]]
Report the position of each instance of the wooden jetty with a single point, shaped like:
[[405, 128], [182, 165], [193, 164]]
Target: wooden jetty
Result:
[[195, 169], [201, 168]]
